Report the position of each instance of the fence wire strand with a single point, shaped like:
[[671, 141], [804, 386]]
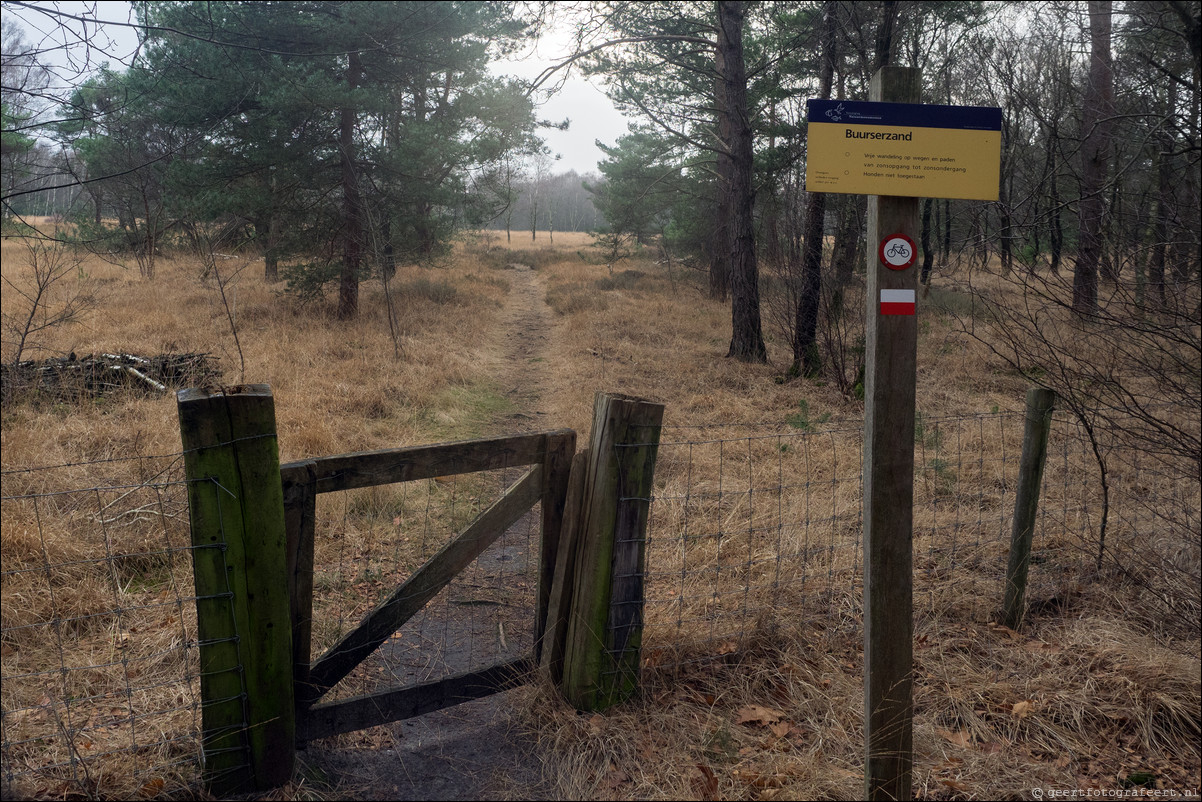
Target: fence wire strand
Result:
[[755, 531], [750, 529], [101, 677]]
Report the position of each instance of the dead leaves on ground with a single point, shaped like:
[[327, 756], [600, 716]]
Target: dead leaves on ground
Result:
[[774, 720]]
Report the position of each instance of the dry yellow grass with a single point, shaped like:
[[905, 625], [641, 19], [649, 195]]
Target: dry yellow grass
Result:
[[1091, 697]]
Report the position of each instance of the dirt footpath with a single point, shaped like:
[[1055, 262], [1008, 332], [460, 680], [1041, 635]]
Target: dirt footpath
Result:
[[473, 751]]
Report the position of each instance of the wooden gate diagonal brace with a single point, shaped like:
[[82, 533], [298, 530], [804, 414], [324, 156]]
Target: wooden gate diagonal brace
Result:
[[424, 585]]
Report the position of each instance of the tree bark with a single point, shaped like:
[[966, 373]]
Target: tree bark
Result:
[[352, 204], [1097, 123], [1005, 220], [805, 332], [928, 254], [769, 205], [1164, 210], [270, 228], [947, 231], [848, 234], [1055, 232], [747, 338], [389, 266], [720, 252], [271, 254], [884, 34]]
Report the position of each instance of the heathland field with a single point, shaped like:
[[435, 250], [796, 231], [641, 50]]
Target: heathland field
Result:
[[752, 674]]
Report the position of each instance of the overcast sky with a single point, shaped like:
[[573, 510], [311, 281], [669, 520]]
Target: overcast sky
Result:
[[592, 115]]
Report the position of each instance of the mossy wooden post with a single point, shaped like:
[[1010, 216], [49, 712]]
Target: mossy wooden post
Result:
[[557, 466], [1040, 403], [300, 521], [559, 601], [605, 623], [239, 562], [889, 396]]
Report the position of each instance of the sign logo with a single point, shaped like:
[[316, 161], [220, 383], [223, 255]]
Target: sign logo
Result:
[[897, 252], [836, 114]]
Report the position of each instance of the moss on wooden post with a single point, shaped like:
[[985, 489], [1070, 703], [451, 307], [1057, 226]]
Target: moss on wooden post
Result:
[[236, 505], [563, 576], [1040, 403], [300, 521], [557, 467], [605, 625]]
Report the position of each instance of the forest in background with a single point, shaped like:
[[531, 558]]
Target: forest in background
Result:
[[375, 131]]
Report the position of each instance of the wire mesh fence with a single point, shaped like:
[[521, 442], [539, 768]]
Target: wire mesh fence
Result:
[[1132, 511], [750, 530], [98, 637]]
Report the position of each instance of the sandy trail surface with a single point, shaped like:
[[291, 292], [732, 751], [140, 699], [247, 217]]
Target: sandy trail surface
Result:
[[475, 750]]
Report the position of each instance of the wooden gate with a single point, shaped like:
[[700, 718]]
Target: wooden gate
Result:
[[548, 453]]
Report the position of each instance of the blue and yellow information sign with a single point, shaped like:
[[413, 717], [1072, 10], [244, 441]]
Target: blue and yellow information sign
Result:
[[905, 149]]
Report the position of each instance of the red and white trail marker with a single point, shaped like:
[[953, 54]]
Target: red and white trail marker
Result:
[[897, 302]]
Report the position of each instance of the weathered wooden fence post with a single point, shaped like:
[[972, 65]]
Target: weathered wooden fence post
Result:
[[559, 602], [237, 514], [557, 466], [1040, 403], [300, 520], [605, 622], [889, 398]]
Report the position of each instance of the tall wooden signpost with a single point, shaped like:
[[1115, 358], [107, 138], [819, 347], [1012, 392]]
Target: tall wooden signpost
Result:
[[895, 151]]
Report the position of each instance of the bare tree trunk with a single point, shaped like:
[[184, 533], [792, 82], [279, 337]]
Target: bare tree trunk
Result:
[[271, 254], [151, 225], [746, 338], [928, 255], [947, 231], [770, 205], [1005, 221], [938, 227], [846, 249], [1097, 123], [720, 252], [1055, 227], [389, 267], [1164, 209], [805, 331], [884, 35], [352, 205]]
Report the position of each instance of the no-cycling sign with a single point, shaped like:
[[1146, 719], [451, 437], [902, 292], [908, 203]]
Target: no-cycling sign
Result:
[[897, 252]]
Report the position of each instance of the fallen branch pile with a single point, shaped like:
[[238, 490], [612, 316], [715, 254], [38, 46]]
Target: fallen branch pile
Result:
[[71, 378]]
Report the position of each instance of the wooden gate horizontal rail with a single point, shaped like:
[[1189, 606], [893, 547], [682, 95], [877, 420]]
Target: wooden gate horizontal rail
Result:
[[370, 468]]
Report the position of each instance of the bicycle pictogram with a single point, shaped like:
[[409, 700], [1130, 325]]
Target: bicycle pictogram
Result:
[[897, 252]]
